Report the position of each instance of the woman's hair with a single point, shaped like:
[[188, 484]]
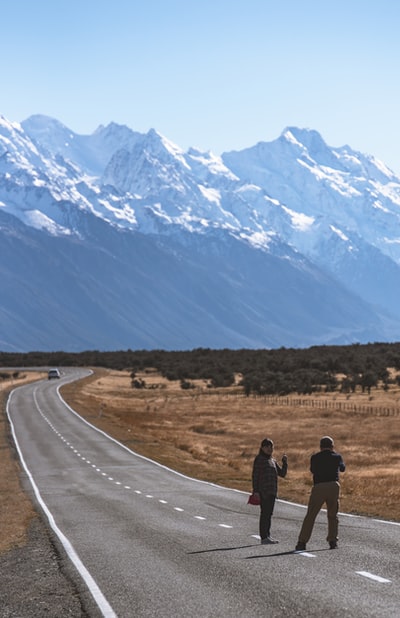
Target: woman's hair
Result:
[[267, 442]]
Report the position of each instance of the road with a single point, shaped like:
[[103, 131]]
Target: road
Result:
[[142, 540]]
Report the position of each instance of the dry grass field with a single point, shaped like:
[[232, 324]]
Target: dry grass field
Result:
[[214, 434]]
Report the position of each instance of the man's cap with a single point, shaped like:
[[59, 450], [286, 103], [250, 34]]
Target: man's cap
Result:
[[326, 442]]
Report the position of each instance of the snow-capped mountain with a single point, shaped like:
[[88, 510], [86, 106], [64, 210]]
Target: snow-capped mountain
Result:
[[123, 240]]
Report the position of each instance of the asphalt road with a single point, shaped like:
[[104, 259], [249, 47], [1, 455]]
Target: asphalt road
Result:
[[143, 540]]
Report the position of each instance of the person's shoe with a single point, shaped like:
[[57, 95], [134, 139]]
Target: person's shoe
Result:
[[332, 544], [269, 541], [300, 547]]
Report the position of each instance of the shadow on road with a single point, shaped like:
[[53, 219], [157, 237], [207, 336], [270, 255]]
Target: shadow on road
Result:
[[286, 553], [205, 551], [274, 555]]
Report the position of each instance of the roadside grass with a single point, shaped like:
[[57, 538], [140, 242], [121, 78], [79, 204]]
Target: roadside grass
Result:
[[16, 510], [214, 434]]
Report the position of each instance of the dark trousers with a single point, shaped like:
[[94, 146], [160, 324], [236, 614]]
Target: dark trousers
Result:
[[267, 503]]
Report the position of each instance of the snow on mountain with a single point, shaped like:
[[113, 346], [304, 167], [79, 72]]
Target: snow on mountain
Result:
[[290, 242], [349, 190], [90, 152], [343, 209]]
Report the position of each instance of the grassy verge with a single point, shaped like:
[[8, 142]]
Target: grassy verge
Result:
[[16, 511]]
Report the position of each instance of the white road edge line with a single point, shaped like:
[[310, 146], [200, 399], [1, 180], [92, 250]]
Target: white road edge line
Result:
[[376, 578], [95, 591]]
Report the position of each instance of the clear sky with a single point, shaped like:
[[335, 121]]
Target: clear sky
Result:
[[215, 74]]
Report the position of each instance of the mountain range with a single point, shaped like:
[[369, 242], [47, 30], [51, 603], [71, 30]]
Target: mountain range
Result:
[[122, 240]]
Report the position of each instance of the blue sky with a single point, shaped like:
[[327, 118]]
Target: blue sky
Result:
[[215, 74]]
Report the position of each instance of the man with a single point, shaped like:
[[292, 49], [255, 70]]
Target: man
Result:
[[325, 467], [265, 483]]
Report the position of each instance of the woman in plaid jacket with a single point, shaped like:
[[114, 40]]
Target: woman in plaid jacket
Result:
[[265, 483]]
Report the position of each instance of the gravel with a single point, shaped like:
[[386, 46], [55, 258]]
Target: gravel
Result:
[[37, 581]]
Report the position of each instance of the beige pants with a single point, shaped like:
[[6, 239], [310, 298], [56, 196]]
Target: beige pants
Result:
[[320, 494]]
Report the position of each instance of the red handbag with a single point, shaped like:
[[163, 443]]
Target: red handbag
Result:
[[254, 499]]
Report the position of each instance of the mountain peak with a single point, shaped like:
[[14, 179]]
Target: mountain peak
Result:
[[46, 129], [305, 136], [293, 214], [173, 149], [309, 139]]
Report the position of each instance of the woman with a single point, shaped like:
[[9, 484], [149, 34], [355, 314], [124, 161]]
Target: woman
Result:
[[265, 483]]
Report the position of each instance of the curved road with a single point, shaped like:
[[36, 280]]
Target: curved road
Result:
[[143, 540]]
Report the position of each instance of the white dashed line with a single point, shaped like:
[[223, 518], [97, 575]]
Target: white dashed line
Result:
[[376, 578], [110, 478]]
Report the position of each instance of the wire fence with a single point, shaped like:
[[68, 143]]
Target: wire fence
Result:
[[352, 407], [329, 404]]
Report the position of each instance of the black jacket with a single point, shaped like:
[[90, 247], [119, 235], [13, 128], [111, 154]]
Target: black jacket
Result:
[[326, 465]]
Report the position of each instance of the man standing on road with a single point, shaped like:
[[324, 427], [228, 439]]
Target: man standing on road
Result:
[[325, 467], [265, 483]]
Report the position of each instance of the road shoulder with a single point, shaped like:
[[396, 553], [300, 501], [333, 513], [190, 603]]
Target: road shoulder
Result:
[[33, 584]]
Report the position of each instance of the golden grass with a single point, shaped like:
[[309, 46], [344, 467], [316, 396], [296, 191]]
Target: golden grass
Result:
[[214, 434], [16, 510]]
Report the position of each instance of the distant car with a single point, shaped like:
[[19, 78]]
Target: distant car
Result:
[[53, 373]]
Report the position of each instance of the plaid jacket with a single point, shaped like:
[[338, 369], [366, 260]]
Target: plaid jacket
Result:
[[265, 474]]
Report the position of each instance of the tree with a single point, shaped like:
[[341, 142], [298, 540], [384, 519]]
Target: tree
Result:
[[138, 383], [185, 384], [368, 380]]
